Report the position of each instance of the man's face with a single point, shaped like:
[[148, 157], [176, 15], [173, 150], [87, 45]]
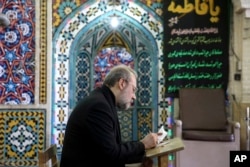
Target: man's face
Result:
[[127, 95]]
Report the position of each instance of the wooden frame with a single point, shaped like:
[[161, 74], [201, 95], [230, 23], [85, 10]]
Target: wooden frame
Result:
[[47, 157]]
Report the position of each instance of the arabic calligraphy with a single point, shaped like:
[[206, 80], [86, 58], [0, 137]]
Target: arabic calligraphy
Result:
[[194, 53], [195, 76], [194, 40], [192, 31], [200, 7], [174, 88], [194, 65], [195, 44]]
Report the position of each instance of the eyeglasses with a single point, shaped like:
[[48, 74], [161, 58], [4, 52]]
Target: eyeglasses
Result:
[[133, 87]]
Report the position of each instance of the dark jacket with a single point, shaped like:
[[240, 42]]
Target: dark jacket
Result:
[[92, 136]]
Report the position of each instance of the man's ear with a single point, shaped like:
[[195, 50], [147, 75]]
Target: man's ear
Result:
[[121, 84]]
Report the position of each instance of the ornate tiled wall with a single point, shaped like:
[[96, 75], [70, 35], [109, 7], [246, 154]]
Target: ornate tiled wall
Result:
[[74, 23], [17, 53], [71, 28], [22, 129]]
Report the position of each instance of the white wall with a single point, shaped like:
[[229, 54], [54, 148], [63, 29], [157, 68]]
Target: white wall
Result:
[[240, 51]]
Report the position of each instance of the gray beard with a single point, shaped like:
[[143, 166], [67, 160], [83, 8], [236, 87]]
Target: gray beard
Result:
[[121, 106]]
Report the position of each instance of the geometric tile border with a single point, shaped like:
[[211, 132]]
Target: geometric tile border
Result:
[[126, 125], [43, 53]]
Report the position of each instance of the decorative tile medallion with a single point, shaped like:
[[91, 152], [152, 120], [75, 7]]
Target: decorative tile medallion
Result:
[[22, 134]]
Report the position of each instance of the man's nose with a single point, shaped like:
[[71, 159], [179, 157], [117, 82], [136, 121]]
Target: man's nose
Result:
[[134, 97]]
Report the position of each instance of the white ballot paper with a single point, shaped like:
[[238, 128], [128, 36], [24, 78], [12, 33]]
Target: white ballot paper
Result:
[[163, 134]]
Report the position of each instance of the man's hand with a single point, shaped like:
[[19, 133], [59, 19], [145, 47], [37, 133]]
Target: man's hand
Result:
[[150, 140]]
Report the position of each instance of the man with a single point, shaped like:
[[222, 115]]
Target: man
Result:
[[92, 136]]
